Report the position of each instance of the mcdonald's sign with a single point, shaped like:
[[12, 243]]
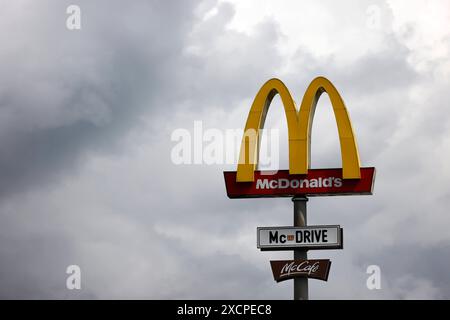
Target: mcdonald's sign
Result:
[[248, 182]]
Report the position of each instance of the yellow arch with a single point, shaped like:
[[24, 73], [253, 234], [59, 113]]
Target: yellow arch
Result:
[[299, 129]]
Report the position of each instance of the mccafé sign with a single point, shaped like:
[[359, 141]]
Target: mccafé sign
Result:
[[247, 182], [289, 269]]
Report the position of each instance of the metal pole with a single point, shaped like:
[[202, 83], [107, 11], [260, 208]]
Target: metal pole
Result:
[[300, 284]]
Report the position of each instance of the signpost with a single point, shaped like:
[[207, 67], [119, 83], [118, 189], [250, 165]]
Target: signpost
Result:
[[300, 181]]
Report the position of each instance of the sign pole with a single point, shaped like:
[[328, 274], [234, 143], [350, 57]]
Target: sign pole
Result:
[[300, 284]]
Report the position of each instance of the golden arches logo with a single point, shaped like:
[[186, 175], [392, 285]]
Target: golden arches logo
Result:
[[299, 129]]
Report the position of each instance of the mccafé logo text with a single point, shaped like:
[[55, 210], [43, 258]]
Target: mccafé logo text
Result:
[[299, 179], [289, 269], [304, 267]]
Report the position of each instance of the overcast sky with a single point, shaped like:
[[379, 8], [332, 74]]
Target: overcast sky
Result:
[[86, 118]]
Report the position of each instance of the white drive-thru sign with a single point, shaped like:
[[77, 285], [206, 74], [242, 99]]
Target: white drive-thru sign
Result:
[[310, 237]]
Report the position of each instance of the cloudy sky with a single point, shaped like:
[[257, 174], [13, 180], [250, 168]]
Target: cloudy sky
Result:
[[87, 116]]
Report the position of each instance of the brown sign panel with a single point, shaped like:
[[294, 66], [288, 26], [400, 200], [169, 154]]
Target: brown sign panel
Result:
[[289, 269]]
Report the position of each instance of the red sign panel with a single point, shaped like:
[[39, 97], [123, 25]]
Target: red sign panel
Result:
[[318, 182]]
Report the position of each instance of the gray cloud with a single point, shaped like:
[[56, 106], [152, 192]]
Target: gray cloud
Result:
[[65, 92]]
